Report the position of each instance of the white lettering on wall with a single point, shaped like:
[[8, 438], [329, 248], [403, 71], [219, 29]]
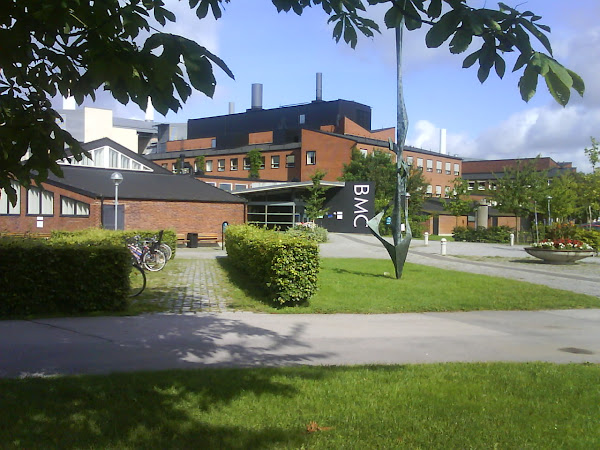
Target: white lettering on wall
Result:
[[359, 209], [361, 189]]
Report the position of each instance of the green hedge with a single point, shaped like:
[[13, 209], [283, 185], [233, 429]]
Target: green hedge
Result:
[[480, 234], [42, 277], [94, 236], [286, 266]]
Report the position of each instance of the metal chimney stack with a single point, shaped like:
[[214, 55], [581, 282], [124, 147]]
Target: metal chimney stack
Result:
[[257, 93], [231, 108], [319, 87]]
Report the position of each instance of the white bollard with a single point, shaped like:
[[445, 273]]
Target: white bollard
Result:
[[443, 242], [512, 239], [426, 238]]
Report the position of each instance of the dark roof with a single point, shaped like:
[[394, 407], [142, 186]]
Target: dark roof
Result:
[[96, 182]]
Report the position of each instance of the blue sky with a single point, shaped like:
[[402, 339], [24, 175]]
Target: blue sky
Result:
[[489, 121]]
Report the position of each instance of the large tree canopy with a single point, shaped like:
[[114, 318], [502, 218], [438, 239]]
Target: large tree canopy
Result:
[[74, 47]]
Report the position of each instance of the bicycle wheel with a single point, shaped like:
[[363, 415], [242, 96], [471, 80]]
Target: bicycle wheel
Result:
[[137, 280], [166, 250], [154, 260]]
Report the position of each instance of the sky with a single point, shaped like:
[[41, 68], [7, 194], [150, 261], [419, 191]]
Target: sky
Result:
[[483, 121]]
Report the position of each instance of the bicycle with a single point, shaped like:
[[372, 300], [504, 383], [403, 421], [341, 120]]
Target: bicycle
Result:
[[147, 256], [137, 280], [165, 248]]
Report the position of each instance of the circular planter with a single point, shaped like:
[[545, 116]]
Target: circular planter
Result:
[[552, 256]]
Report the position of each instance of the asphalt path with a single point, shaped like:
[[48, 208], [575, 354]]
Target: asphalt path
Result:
[[45, 347]]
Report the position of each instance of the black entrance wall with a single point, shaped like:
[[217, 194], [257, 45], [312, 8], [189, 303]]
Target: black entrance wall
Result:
[[350, 208]]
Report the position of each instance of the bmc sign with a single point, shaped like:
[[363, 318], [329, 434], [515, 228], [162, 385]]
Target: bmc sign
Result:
[[351, 208]]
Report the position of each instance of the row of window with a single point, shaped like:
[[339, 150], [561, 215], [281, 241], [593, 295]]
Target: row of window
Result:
[[109, 158], [447, 167], [229, 186], [438, 191], [221, 164], [481, 185], [41, 203]]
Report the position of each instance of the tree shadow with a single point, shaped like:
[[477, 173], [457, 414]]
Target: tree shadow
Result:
[[363, 274]]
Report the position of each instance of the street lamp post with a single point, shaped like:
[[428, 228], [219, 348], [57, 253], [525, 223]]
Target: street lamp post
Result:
[[549, 214], [116, 178]]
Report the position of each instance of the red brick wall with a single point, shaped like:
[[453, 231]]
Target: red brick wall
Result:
[[189, 144], [332, 153], [262, 137], [25, 223], [184, 217]]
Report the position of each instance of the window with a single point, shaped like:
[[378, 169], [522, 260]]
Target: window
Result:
[[429, 190], [438, 167], [124, 162], [246, 163], [290, 161], [311, 158], [233, 164], [471, 185], [262, 162], [275, 162], [364, 152], [40, 202], [221, 165], [213, 143], [481, 185], [225, 186], [98, 157], [420, 163], [430, 165], [136, 165], [447, 191], [448, 168], [165, 166], [456, 169], [113, 159], [240, 187], [209, 165], [212, 183], [70, 207], [409, 160], [438, 191], [302, 119], [6, 208]]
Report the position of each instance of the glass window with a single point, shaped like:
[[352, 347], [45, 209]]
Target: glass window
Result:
[[209, 165], [240, 187], [438, 191], [262, 162], [420, 163], [246, 163], [225, 186], [471, 185], [364, 152], [40, 202], [290, 161], [221, 165], [6, 208], [311, 158], [233, 164], [124, 162], [429, 189], [448, 168], [446, 191], [456, 169], [438, 167], [136, 165], [430, 165], [213, 143], [113, 159], [409, 160], [302, 119], [275, 162], [481, 186], [70, 207], [98, 156]]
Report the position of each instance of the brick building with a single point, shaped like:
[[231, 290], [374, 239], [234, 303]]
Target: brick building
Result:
[[148, 197]]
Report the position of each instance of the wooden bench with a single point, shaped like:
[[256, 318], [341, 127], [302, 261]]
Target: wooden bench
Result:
[[26, 235], [203, 238]]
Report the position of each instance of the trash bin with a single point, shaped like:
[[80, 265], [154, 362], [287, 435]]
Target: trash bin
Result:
[[192, 240]]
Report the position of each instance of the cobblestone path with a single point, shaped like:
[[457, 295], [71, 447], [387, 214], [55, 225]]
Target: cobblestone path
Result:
[[195, 288]]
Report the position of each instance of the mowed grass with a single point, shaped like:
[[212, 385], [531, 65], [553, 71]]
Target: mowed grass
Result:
[[368, 286], [482, 405]]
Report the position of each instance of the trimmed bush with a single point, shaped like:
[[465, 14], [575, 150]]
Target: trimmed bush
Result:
[[285, 266], [41, 277], [309, 231], [480, 234], [96, 236]]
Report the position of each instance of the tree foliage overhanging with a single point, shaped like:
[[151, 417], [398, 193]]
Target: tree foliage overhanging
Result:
[[74, 47]]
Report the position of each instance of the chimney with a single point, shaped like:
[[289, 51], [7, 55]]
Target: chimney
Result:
[[231, 108], [257, 93], [319, 87], [443, 150], [149, 111]]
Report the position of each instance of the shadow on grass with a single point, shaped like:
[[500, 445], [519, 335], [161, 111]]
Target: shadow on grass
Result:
[[153, 410], [362, 274]]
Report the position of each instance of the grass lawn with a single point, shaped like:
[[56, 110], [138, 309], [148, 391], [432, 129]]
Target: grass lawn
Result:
[[367, 286], [491, 405]]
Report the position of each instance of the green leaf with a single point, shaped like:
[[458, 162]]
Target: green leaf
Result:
[[558, 89], [337, 31], [471, 59], [461, 40], [443, 29], [393, 17], [435, 9], [560, 72], [521, 61], [537, 33], [528, 82], [578, 83], [500, 66], [350, 34]]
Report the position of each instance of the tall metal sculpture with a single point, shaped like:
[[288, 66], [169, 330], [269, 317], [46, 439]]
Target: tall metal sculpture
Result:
[[399, 249]]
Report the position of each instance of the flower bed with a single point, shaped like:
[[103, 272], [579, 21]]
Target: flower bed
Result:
[[562, 244]]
